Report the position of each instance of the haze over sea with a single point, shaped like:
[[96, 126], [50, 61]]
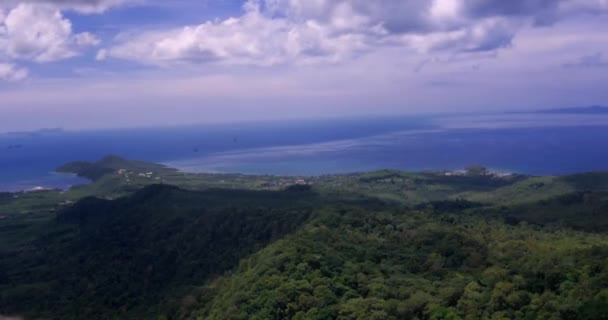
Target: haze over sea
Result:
[[534, 143]]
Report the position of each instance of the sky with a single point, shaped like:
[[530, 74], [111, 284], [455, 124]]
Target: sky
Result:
[[134, 63]]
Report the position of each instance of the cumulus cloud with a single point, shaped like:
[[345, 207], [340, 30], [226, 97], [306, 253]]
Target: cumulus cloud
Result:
[[392, 15], [268, 33], [253, 39], [86, 39], [39, 33], [10, 72], [485, 35], [273, 32]]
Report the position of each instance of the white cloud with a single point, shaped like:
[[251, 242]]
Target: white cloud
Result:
[[393, 15], [86, 39], [101, 55], [484, 35], [10, 72], [446, 9], [274, 32], [39, 33], [252, 39]]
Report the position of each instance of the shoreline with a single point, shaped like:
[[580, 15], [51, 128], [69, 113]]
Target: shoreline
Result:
[[52, 181]]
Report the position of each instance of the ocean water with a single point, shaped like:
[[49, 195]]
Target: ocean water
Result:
[[541, 144]]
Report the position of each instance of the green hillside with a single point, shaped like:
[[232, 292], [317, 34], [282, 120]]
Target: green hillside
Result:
[[108, 165], [101, 259], [399, 264], [143, 241]]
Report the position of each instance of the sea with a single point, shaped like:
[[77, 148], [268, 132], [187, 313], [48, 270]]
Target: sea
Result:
[[529, 143]]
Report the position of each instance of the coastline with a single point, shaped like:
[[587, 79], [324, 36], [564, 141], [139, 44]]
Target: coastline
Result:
[[52, 181]]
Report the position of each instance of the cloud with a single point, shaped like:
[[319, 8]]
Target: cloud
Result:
[[10, 72], [541, 12], [101, 55], [39, 33], [500, 59], [269, 32], [595, 60], [587, 6], [86, 39], [251, 39], [273, 32], [392, 15], [486, 35]]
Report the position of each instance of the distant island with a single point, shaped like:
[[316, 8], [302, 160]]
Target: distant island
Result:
[[14, 146], [575, 110], [39, 132]]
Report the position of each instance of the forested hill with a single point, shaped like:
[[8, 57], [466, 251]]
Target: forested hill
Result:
[[108, 165], [131, 257], [379, 245]]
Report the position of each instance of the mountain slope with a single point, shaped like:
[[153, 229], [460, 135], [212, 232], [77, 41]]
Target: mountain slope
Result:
[[127, 258], [379, 245], [354, 264], [110, 164]]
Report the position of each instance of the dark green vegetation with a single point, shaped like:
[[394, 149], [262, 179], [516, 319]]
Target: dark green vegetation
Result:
[[143, 241], [99, 254], [399, 264], [109, 165]]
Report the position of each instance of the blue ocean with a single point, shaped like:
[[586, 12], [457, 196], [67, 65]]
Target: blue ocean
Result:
[[539, 144]]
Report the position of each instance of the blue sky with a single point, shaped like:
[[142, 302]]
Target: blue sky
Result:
[[130, 63]]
